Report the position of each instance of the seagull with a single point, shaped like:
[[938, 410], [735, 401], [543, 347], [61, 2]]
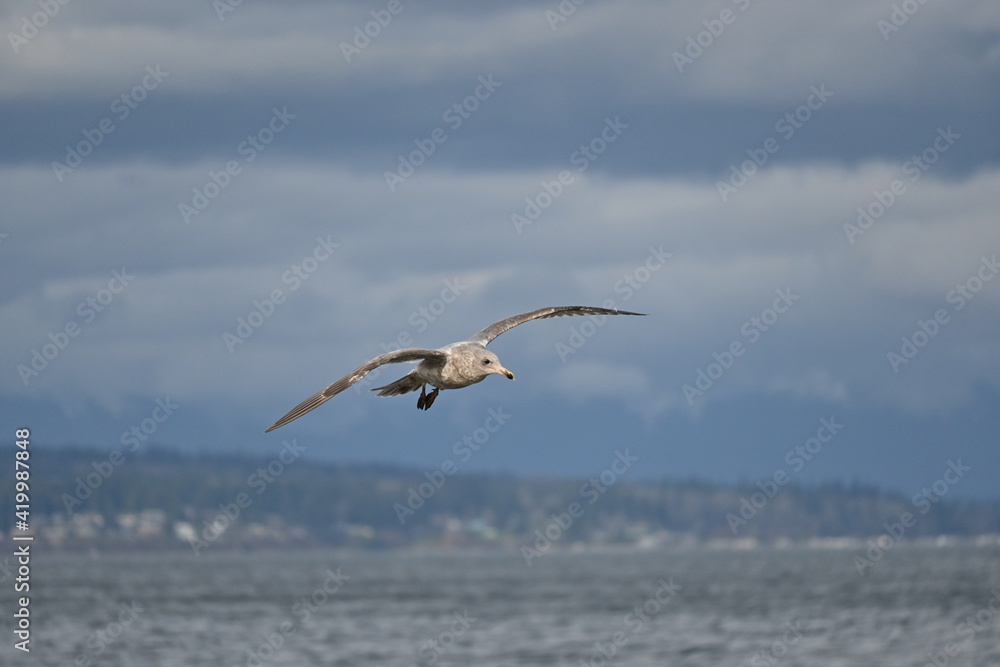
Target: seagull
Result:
[[453, 366]]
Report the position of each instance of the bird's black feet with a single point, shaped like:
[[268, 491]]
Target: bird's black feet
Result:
[[430, 398], [425, 400]]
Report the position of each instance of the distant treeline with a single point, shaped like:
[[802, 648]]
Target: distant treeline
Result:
[[403, 506]]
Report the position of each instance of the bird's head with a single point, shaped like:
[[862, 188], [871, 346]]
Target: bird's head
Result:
[[490, 363]]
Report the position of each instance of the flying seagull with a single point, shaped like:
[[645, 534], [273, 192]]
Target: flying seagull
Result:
[[453, 366]]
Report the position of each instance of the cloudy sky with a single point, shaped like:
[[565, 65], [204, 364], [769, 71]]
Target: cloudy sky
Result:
[[213, 209]]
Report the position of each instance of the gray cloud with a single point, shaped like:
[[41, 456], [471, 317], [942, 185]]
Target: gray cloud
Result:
[[524, 203]]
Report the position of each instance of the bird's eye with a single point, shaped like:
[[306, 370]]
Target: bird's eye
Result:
[[486, 362]]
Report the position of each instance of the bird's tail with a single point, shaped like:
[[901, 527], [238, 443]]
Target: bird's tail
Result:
[[403, 385]]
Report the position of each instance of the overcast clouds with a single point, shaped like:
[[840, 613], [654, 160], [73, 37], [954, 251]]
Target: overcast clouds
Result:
[[166, 172]]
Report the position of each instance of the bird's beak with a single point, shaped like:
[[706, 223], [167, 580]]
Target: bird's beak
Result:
[[504, 371]]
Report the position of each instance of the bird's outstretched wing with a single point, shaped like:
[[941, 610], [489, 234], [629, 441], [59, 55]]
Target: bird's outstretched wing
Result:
[[485, 336], [321, 397]]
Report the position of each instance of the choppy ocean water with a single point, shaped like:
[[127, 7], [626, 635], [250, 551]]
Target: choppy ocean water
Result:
[[917, 606]]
